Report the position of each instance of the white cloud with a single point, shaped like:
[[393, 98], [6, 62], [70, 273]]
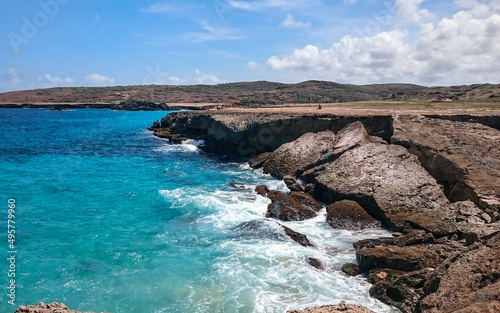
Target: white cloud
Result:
[[205, 79], [291, 22], [56, 80], [252, 65], [175, 80], [11, 79], [410, 9], [459, 49], [211, 33], [98, 79], [348, 2]]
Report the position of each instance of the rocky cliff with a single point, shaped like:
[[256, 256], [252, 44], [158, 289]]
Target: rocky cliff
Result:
[[250, 134], [433, 179]]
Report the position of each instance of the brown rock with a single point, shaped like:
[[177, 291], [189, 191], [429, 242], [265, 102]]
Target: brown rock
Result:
[[462, 156], [342, 307], [316, 263], [347, 214], [352, 136], [294, 157], [467, 282], [41, 307], [262, 190], [391, 185], [295, 206], [299, 238]]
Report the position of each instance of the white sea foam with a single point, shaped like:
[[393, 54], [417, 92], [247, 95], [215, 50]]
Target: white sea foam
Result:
[[260, 273]]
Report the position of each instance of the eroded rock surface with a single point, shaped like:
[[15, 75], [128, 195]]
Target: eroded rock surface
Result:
[[463, 157]]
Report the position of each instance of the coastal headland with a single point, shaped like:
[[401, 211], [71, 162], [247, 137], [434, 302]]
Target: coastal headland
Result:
[[432, 177]]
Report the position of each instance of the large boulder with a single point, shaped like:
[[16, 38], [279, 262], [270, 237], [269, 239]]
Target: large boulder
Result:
[[342, 307], [312, 149], [348, 214], [294, 157], [294, 206], [462, 156], [390, 184]]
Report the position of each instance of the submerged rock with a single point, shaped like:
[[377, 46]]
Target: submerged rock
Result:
[[347, 214], [342, 307], [264, 228], [351, 269], [316, 263], [295, 206], [41, 307]]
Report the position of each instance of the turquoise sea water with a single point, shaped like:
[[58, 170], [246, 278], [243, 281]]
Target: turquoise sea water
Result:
[[110, 218]]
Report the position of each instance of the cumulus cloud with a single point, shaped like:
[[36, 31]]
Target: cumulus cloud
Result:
[[56, 80], [98, 79], [410, 9], [11, 79], [291, 22], [462, 48], [206, 79], [252, 65]]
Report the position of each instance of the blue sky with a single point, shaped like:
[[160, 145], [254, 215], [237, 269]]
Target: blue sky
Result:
[[48, 43]]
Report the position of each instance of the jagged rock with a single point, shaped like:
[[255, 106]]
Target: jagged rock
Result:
[[41, 307], [342, 307], [414, 237], [462, 156], [408, 258], [312, 149], [250, 134], [293, 184], [391, 185], [297, 237], [347, 214], [262, 190], [352, 136], [466, 282], [316, 263], [292, 158], [264, 228], [295, 206], [351, 269], [156, 124]]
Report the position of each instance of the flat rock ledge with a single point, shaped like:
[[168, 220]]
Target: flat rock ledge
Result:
[[41, 307], [342, 307]]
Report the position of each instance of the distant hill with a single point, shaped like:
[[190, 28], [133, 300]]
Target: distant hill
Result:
[[249, 93]]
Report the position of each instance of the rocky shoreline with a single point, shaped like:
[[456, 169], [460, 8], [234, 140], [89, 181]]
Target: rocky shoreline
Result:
[[434, 180]]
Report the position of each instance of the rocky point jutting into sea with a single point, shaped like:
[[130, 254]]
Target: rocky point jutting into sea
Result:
[[434, 180]]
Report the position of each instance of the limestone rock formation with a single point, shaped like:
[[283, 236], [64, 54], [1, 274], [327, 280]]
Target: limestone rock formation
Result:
[[342, 307], [390, 184], [294, 157], [462, 156], [348, 214], [311, 150]]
